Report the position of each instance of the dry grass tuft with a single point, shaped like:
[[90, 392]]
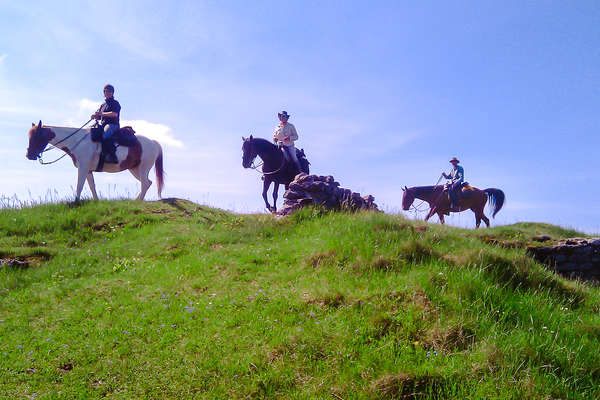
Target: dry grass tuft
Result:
[[415, 251], [454, 337], [331, 300], [405, 386], [322, 258]]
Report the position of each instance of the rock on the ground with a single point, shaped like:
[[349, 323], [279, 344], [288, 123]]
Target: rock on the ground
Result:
[[323, 191], [574, 258]]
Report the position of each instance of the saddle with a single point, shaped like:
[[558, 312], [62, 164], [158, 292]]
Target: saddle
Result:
[[125, 136], [302, 160], [467, 188], [122, 137]]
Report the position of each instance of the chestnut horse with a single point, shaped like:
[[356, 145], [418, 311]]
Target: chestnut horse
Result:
[[85, 154], [439, 202]]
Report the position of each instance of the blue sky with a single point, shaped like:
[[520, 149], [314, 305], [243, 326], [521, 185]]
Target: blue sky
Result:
[[382, 94]]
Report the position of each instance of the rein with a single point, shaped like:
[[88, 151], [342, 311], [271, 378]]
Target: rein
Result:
[[255, 167], [418, 208], [54, 146]]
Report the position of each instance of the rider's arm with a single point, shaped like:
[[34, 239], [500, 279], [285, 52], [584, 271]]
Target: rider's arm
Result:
[[294, 135], [110, 114], [459, 177]]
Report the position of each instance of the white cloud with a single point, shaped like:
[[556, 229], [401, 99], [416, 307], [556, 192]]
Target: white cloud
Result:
[[159, 132], [2, 58], [88, 106]]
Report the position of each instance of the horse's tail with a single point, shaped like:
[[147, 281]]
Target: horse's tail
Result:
[[158, 169], [496, 197]]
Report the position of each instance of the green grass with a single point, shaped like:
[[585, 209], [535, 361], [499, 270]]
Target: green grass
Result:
[[175, 300]]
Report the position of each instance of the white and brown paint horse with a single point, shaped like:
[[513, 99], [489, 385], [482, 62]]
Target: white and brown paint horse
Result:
[[85, 154]]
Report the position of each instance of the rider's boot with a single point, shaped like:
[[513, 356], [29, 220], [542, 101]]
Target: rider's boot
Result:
[[453, 201], [109, 150]]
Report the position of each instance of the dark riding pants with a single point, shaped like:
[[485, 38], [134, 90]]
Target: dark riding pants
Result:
[[454, 192]]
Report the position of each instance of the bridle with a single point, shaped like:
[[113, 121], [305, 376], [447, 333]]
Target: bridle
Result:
[[417, 209], [255, 167], [55, 146]]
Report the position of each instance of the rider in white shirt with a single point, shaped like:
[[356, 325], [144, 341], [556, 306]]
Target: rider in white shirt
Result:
[[285, 134]]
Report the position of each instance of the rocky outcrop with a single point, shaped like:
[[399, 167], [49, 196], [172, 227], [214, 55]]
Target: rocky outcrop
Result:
[[573, 258], [323, 191]]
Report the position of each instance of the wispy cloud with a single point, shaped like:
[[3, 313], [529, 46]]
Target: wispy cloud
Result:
[[2, 58], [159, 132]]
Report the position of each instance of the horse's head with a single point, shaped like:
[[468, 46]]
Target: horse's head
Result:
[[407, 198], [249, 151], [39, 137]]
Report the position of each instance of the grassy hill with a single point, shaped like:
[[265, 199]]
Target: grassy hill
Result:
[[175, 300]]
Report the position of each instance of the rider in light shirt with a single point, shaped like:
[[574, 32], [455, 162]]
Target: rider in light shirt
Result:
[[285, 134], [456, 177]]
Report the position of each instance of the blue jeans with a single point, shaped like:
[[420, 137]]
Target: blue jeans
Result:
[[109, 131]]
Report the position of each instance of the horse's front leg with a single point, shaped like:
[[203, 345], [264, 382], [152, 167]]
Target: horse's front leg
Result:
[[82, 173], [441, 216], [275, 191], [266, 184], [92, 185], [432, 211]]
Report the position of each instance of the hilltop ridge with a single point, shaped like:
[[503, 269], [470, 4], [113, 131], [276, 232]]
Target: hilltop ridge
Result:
[[171, 299]]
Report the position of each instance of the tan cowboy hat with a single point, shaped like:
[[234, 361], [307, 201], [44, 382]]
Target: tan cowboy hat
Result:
[[454, 159]]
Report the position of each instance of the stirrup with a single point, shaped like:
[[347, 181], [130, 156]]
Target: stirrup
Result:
[[111, 158]]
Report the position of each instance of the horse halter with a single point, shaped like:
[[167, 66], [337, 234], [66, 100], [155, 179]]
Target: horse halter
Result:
[[41, 138]]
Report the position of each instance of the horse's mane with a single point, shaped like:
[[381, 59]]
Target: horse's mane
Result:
[[262, 143], [425, 189]]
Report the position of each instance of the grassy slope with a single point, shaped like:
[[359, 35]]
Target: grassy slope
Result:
[[174, 300]]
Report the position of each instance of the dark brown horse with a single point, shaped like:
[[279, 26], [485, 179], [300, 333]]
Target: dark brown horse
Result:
[[275, 168], [439, 202]]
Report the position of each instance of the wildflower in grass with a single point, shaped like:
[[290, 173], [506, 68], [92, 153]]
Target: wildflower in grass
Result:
[[19, 346]]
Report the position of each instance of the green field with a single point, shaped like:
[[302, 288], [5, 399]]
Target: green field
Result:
[[172, 300]]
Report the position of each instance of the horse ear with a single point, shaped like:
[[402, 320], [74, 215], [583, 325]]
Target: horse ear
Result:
[[243, 139], [32, 124], [251, 137], [40, 124], [405, 188]]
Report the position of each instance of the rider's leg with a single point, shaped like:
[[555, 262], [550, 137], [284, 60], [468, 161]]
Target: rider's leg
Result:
[[452, 191], [291, 150], [108, 143]]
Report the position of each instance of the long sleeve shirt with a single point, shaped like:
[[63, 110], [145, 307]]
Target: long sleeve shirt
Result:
[[457, 175], [285, 134]]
